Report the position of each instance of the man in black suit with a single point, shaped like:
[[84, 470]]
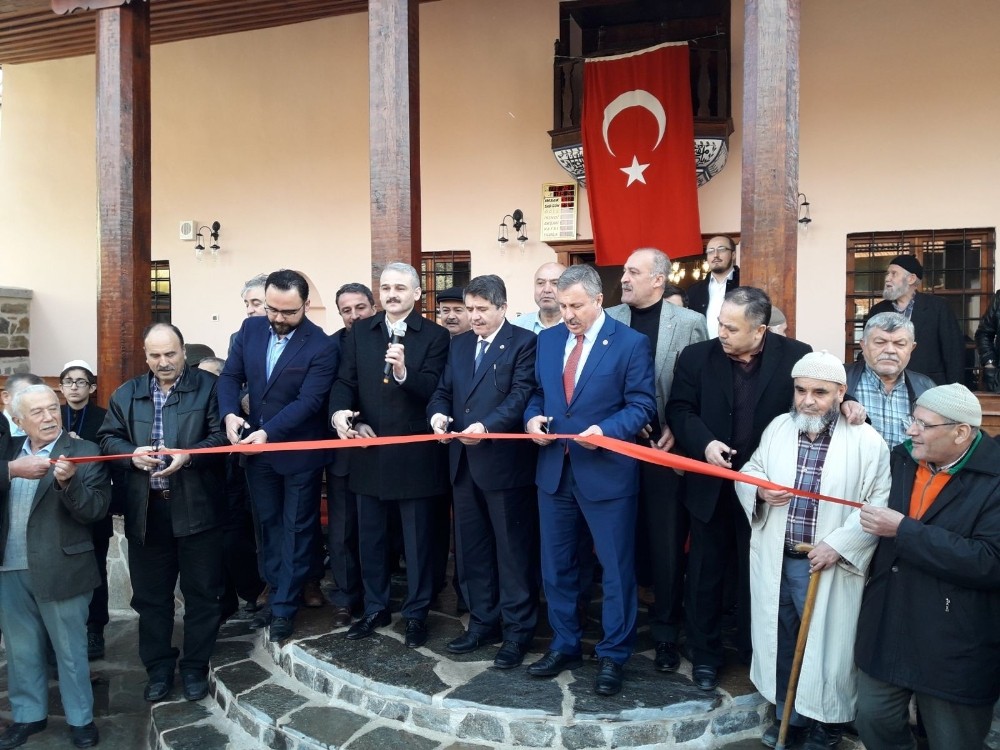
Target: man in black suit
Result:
[[390, 366], [706, 296], [940, 352], [83, 418], [485, 388], [725, 392], [355, 302]]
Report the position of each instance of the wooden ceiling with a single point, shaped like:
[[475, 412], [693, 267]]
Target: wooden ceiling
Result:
[[30, 31]]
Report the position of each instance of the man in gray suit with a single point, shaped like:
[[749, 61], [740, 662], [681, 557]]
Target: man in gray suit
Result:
[[662, 523], [47, 567]]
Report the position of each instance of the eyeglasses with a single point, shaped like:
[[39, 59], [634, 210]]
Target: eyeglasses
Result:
[[283, 313], [717, 251], [922, 425], [79, 383]]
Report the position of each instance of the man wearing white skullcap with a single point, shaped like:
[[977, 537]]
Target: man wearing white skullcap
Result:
[[930, 619], [811, 449]]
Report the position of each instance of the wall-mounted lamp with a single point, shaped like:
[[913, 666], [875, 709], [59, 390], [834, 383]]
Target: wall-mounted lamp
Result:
[[517, 217], [804, 218], [213, 233]]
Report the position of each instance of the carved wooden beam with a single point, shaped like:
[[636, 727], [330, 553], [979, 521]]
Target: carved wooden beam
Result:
[[394, 133], [123, 192], [62, 7], [771, 150]]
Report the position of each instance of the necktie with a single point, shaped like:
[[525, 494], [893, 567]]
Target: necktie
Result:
[[569, 372], [483, 346]]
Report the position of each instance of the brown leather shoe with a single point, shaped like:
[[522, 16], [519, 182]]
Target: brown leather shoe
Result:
[[341, 617], [312, 596], [262, 598]]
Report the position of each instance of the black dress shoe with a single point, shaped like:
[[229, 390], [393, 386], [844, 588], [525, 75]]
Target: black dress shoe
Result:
[[553, 663], [510, 655], [158, 687], [469, 642], [18, 733], [281, 628], [705, 676], [667, 657], [822, 736], [793, 736], [95, 646], [367, 624], [341, 617], [85, 736], [261, 620], [609, 677], [416, 633], [195, 686]]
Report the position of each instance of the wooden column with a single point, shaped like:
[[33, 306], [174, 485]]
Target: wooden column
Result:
[[123, 192], [769, 225], [394, 132]]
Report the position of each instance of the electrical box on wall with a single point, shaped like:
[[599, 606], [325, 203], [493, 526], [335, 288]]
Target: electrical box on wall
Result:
[[188, 229]]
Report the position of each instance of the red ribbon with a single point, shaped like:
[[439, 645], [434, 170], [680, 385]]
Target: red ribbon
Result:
[[639, 452]]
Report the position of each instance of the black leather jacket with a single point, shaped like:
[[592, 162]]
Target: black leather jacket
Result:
[[986, 341], [986, 334], [190, 420]]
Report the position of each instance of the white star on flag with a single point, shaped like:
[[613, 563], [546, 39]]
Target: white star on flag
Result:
[[634, 172]]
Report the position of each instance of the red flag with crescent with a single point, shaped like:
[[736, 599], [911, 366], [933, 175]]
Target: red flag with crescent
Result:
[[638, 151]]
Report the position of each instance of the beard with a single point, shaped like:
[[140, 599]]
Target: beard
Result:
[[893, 293], [283, 329], [813, 425]]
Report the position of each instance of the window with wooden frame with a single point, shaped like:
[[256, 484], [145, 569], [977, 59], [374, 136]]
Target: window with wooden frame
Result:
[[159, 287], [440, 270], [958, 266]]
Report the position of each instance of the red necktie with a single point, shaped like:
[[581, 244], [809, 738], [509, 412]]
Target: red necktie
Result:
[[569, 372]]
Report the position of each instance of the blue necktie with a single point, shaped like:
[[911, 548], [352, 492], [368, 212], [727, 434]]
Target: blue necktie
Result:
[[483, 346]]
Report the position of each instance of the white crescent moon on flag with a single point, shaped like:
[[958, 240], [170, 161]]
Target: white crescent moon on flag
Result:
[[635, 98]]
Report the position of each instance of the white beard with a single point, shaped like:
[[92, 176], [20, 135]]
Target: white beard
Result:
[[812, 425]]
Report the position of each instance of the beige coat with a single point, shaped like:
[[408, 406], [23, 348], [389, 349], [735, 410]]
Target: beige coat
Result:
[[856, 468]]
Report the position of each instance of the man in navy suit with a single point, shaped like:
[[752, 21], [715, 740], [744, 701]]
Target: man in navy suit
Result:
[[595, 377], [485, 388], [288, 364]]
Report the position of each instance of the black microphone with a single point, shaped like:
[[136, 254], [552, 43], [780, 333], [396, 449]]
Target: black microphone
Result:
[[398, 331]]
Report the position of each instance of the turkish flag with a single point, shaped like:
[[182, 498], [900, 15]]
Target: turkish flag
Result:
[[638, 152]]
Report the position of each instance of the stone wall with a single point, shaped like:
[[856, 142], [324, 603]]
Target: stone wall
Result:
[[15, 330]]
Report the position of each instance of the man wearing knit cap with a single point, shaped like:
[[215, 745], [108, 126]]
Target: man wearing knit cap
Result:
[[940, 352], [930, 618], [811, 448]]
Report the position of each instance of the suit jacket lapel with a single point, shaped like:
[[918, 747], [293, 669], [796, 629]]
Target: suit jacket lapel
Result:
[[665, 339], [292, 348], [63, 447], [500, 342], [769, 363], [597, 352], [721, 364]]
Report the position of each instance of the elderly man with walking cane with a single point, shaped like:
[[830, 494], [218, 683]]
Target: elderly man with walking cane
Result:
[[794, 538]]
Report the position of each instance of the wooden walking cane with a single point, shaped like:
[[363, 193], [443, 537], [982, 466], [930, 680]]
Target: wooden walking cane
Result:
[[800, 649]]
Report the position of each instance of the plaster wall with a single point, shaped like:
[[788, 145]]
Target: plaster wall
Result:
[[267, 132]]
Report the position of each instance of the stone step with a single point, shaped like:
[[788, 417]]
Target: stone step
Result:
[[319, 690]]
